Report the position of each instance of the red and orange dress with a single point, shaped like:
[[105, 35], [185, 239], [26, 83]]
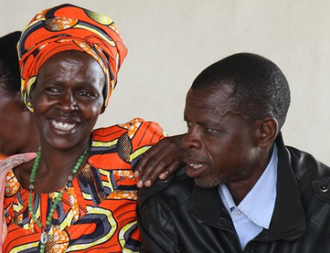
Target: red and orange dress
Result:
[[97, 212]]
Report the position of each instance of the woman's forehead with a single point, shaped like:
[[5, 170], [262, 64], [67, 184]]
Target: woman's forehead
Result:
[[72, 67]]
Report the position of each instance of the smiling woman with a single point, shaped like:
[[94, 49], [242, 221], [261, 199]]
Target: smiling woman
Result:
[[79, 193], [68, 102]]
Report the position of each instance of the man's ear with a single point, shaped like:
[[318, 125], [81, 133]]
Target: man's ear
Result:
[[266, 131]]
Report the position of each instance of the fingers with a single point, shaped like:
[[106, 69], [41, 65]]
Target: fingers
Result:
[[144, 160], [161, 161], [173, 167], [152, 169]]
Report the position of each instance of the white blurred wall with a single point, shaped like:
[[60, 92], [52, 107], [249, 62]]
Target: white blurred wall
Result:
[[171, 41]]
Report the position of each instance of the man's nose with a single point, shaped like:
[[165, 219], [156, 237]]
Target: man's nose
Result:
[[192, 138]]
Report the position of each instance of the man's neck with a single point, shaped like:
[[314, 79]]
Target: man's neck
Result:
[[240, 188]]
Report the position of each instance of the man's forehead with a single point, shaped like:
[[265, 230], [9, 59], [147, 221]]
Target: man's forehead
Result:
[[208, 102], [215, 98]]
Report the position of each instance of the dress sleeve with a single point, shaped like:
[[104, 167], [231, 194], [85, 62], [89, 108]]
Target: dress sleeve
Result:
[[141, 136]]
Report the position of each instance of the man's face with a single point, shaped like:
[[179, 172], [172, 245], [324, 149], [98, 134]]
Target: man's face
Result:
[[220, 146]]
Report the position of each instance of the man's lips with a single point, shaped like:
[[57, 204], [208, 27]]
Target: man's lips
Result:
[[195, 170], [193, 160], [62, 125], [195, 165]]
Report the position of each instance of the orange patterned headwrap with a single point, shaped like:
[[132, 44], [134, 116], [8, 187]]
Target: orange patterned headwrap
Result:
[[68, 27]]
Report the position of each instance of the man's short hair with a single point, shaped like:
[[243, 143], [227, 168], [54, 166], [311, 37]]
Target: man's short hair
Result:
[[260, 89]]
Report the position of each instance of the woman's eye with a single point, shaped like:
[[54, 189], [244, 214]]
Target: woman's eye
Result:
[[53, 91], [86, 95]]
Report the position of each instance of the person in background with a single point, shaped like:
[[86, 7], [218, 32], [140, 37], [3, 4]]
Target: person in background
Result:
[[242, 189], [18, 133], [79, 193]]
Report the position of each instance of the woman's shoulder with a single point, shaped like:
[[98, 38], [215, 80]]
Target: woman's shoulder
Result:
[[136, 128], [123, 142], [17, 168]]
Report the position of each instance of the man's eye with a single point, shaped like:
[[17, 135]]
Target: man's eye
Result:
[[209, 130]]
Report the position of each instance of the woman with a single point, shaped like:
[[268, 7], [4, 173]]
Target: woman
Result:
[[79, 193], [18, 133]]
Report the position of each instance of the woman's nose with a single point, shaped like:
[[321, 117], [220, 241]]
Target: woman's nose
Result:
[[68, 102]]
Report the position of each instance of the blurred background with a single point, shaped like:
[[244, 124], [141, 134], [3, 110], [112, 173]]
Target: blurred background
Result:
[[171, 41]]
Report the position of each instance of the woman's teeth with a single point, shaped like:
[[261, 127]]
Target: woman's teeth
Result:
[[63, 126]]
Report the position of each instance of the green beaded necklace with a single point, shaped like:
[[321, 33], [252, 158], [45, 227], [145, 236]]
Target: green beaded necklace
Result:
[[44, 234]]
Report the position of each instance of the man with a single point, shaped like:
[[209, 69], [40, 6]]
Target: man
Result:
[[245, 191]]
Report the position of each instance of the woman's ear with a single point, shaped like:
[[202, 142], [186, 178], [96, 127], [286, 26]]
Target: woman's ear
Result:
[[29, 101], [266, 131], [24, 107], [18, 99]]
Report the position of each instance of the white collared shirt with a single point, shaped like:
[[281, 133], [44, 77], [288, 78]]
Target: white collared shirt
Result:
[[255, 211]]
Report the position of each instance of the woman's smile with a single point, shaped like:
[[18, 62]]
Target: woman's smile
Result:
[[62, 125], [67, 102]]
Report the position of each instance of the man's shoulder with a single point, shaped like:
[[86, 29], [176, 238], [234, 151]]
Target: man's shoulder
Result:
[[305, 165], [311, 173], [170, 192]]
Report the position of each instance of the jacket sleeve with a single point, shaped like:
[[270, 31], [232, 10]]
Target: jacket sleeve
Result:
[[151, 235]]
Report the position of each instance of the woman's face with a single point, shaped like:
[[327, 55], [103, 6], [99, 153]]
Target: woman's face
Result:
[[68, 99]]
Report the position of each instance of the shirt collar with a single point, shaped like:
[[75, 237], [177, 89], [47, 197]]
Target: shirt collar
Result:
[[258, 204]]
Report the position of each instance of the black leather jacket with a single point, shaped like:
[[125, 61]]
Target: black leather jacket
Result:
[[187, 218]]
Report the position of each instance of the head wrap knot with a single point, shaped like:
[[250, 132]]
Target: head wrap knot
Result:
[[68, 27]]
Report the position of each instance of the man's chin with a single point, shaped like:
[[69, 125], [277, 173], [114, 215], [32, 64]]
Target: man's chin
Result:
[[207, 183]]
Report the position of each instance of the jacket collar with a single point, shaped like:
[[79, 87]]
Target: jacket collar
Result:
[[288, 221], [289, 217]]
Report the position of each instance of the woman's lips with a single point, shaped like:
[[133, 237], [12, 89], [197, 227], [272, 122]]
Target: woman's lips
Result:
[[63, 125]]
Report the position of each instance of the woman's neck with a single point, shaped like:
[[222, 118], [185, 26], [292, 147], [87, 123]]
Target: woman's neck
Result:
[[55, 166]]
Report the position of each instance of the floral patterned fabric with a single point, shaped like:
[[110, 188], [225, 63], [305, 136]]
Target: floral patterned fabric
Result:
[[98, 210], [5, 166]]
